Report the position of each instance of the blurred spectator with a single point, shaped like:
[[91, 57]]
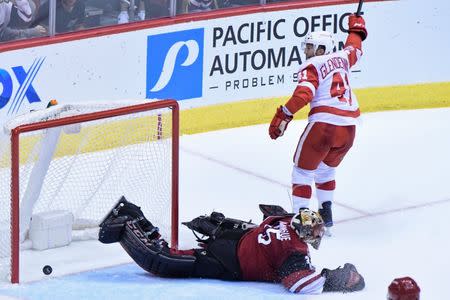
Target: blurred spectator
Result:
[[23, 9], [18, 20], [70, 15], [197, 5], [101, 12], [124, 17], [235, 3], [187, 6], [157, 8]]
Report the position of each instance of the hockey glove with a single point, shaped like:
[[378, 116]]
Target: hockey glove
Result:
[[346, 279], [356, 24], [279, 123]]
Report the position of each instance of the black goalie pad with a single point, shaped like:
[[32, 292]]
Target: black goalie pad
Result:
[[111, 229], [153, 255], [112, 226], [225, 252]]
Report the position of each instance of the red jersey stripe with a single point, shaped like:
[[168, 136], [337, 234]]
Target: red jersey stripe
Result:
[[335, 111], [290, 280], [308, 282]]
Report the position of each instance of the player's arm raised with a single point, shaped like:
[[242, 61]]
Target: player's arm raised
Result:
[[308, 82], [357, 33]]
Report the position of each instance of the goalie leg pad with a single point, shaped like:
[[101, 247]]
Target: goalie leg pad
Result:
[[111, 229], [112, 225], [154, 255]]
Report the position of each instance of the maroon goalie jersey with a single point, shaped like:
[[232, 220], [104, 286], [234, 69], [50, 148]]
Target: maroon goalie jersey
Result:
[[273, 252]]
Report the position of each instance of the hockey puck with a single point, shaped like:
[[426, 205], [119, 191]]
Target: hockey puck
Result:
[[47, 270]]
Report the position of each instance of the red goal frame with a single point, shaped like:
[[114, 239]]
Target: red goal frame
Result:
[[15, 133]]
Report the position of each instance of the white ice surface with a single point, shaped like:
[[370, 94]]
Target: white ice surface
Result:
[[392, 203]]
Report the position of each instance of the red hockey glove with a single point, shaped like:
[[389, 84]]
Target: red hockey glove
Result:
[[346, 279], [279, 123], [357, 25]]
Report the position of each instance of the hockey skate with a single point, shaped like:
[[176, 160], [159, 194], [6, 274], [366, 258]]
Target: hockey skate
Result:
[[327, 216]]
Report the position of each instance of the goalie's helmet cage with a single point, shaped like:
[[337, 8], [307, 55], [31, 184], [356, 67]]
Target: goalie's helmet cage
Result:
[[309, 226], [404, 288], [319, 38]]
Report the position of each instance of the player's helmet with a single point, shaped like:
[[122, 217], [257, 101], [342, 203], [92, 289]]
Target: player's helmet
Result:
[[309, 226], [404, 288], [319, 38]]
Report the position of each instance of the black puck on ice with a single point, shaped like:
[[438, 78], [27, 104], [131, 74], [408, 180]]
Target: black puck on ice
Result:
[[47, 270]]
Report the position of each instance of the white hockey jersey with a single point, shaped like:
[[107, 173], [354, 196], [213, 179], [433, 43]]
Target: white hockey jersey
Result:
[[323, 81]]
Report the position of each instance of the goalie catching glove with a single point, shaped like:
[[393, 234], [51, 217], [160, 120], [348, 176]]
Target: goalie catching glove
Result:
[[279, 123], [346, 279]]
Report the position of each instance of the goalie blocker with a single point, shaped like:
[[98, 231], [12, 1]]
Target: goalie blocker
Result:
[[233, 249]]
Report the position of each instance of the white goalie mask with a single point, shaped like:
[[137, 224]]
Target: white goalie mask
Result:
[[319, 38]]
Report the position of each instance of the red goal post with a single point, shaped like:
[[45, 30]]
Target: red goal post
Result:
[[22, 129]]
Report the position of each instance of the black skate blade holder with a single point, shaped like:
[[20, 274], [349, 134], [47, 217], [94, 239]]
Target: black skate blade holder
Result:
[[114, 213], [112, 226]]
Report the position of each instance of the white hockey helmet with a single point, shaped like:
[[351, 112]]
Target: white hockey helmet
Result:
[[319, 38]]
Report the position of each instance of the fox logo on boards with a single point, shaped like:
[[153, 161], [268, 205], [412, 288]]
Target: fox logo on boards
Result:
[[10, 91], [175, 65]]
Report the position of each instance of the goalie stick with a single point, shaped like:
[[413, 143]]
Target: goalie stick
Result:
[[273, 210]]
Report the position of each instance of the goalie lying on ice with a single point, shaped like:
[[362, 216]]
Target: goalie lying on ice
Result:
[[274, 251]]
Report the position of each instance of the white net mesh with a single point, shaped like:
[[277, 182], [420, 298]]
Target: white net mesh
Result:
[[85, 168], [5, 213]]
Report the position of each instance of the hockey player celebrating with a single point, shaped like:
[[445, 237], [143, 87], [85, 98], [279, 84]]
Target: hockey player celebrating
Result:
[[274, 251], [323, 81]]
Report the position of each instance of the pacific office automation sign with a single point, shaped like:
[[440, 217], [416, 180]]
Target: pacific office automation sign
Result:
[[175, 65], [235, 58], [261, 55]]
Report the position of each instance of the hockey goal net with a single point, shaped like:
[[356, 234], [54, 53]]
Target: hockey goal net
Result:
[[81, 159]]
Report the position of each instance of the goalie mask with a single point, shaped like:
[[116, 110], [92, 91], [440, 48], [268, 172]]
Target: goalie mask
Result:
[[309, 226], [319, 38]]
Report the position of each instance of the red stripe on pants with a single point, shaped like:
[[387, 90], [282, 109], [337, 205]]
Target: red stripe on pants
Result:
[[303, 191], [327, 186]]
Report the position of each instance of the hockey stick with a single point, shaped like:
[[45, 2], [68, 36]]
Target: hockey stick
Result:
[[358, 11], [273, 210]]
